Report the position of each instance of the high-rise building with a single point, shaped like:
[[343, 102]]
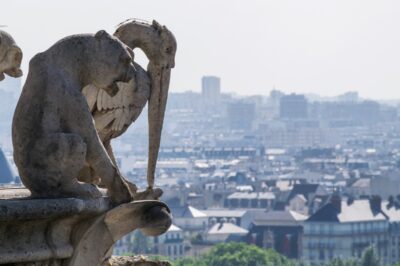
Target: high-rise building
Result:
[[210, 88], [241, 115], [351, 96], [293, 106]]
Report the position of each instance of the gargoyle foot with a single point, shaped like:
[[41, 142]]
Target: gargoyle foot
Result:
[[120, 191], [14, 72], [148, 194], [80, 190]]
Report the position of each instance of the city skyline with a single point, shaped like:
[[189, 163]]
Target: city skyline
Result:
[[307, 47]]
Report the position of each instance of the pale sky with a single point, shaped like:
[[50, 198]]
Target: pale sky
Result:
[[303, 46]]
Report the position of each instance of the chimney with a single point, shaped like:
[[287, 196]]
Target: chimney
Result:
[[390, 202], [350, 200], [336, 202], [375, 203]]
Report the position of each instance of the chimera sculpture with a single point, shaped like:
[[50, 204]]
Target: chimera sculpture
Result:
[[10, 56], [53, 131], [113, 115]]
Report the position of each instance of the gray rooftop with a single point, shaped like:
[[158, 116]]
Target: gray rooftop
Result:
[[252, 195]]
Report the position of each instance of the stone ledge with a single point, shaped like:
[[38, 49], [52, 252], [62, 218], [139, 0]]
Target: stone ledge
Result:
[[34, 209], [134, 261], [71, 231]]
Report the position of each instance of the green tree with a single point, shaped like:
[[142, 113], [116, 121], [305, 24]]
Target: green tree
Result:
[[189, 262], [369, 258], [341, 262], [237, 254], [140, 244]]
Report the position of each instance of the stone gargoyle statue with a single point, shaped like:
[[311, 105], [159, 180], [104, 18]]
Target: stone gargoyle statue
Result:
[[53, 131], [113, 115], [10, 56]]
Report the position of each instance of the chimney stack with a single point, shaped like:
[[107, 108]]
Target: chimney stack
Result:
[[336, 202], [375, 202]]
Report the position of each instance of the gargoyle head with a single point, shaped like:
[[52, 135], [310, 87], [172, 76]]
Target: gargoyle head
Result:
[[10, 56], [156, 41]]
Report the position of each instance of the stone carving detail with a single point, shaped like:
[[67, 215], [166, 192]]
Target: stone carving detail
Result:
[[134, 261], [113, 115], [53, 131], [10, 56], [59, 220], [64, 231]]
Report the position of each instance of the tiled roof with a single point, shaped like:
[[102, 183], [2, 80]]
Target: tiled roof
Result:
[[303, 189], [362, 183], [227, 228], [224, 213], [174, 228], [252, 195], [357, 211], [392, 212], [262, 217], [187, 212]]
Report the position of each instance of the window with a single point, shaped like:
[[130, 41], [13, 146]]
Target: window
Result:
[[181, 249], [321, 254], [331, 229], [322, 229], [331, 253]]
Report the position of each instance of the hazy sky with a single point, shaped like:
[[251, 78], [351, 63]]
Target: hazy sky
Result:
[[314, 46]]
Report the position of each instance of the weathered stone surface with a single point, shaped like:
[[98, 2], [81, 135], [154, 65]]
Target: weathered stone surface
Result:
[[53, 131], [10, 56], [71, 231], [113, 115], [60, 221], [159, 45], [134, 261]]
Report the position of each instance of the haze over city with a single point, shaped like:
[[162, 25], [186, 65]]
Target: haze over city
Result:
[[277, 141], [254, 46]]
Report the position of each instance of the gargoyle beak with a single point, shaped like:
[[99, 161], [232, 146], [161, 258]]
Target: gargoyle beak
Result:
[[160, 77]]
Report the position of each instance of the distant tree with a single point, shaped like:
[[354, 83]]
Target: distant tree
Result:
[[158, 257], [244, 255], [197, 239], [336, 262], [301, 263], [369, 258], [237, 254], [341, 262], [140, 243], [240, 254], [189, 262]]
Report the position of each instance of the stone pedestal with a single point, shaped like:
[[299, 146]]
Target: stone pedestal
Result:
[[70, 231]]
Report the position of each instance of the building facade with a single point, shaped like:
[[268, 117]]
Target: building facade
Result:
[[344, 229]]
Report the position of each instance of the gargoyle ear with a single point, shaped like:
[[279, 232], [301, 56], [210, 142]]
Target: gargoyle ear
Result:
[[157, 26], [101, 34]]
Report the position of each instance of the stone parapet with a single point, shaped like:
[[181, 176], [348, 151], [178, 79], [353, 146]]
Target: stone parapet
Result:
[[70, 231]]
